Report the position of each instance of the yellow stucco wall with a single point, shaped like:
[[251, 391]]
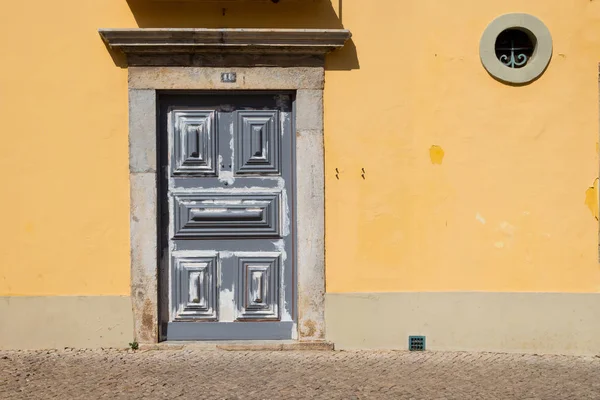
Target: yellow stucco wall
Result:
[[63, 107], [504, 209], [469, 184]]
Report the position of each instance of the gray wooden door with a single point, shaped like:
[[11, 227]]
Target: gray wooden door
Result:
[[228, 216]]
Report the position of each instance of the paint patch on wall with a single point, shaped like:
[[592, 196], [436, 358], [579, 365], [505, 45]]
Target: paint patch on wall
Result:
[[591, 198], [507, 228], [479, 218], [436, 153]]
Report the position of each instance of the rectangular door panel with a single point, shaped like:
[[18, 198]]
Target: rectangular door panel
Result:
[[258, 283], [194, 142], [226, 215], [196, 284], [257, 141]]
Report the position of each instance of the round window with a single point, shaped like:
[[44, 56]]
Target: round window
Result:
[[516, 48]]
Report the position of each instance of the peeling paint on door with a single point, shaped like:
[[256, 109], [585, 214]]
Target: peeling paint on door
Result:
[[230, 222]]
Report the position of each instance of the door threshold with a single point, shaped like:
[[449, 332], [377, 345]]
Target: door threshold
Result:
[[241, 345]]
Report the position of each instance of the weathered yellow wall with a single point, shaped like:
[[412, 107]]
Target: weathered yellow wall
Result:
[[504, 209], [63, 107]]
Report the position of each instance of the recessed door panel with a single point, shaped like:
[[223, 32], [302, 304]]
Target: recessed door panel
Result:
[[257, 141], [196, 288], [194, 142], [227, 215]]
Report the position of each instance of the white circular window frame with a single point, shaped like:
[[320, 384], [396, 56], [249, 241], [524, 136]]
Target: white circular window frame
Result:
[[539, 60]]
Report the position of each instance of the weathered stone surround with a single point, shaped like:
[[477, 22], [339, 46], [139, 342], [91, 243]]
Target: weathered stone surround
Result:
[[274, 60]]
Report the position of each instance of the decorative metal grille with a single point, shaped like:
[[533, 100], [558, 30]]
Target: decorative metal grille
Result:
[[514, 48]]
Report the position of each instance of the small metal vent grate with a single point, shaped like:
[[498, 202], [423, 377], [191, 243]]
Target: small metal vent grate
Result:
[[416, 343]]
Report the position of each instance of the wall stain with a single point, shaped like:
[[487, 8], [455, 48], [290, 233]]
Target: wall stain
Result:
[[309, 328], [436, 153], [591, 198], [29, 227], [480, 218], [147, 331], [507, 228]]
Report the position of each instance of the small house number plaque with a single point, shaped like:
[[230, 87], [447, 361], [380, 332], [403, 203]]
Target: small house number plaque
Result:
[[228, 77]]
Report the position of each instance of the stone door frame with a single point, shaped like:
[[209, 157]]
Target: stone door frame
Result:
[[194, 59], [307, 82]]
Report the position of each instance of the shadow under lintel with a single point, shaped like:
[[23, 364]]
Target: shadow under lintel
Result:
[[285, 14]]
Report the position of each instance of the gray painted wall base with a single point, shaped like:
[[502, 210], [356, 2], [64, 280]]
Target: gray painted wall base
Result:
[[543, 323], [51, 322]]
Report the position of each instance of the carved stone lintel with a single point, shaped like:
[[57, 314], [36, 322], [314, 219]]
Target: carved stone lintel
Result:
[[203, 47]]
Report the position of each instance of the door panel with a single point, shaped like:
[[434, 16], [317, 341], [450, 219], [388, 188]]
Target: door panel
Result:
[[227, 215], [198, 275], [257, 141], [227, 218], [258, 294], [194, 143]]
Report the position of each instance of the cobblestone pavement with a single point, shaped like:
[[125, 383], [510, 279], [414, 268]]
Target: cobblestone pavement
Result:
[[218, 374]]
